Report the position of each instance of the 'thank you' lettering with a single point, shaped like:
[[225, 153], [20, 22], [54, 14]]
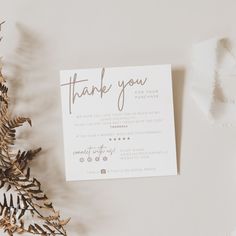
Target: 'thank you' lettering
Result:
[[78, 88]]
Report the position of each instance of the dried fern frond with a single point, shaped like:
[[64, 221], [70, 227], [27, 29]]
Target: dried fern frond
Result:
[[27, 198]]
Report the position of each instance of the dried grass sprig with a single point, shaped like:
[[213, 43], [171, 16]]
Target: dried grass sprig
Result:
[[27, 199]]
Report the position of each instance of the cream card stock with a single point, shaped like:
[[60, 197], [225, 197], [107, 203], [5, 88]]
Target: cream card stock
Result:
[[118, 122]]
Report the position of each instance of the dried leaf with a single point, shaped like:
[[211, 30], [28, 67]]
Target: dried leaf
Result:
[[64, 222], [15, 173]]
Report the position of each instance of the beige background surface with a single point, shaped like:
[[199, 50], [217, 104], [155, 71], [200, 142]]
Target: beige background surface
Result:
[[43, 37]]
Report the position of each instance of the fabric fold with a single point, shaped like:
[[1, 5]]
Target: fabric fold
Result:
[[214, 80]]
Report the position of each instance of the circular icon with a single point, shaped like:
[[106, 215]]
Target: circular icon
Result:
[[97, 158], [89, 159], [104, 158], [81, 159]]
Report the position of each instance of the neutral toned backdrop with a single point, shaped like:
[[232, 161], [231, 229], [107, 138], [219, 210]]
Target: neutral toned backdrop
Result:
[[43, 37]]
